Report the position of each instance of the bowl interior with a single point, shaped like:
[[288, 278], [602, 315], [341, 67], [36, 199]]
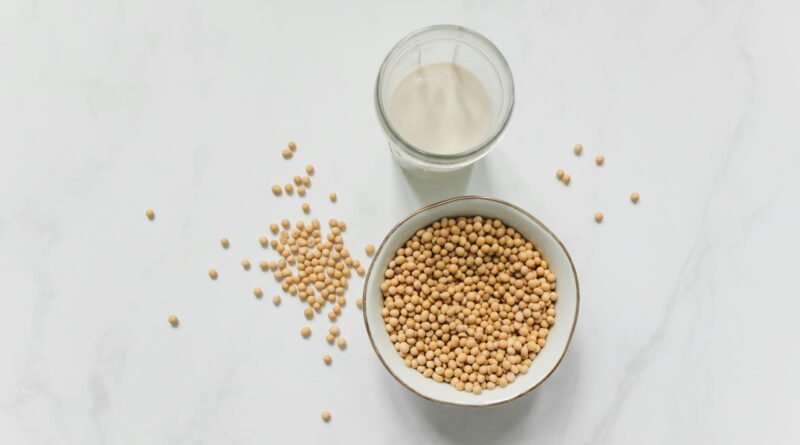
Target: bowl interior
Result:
[[566, 308]]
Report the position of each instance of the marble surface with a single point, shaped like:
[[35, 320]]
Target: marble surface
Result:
[[688, 326]]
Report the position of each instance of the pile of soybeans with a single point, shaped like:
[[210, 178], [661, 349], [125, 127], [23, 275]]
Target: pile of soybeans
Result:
[[469, 301]]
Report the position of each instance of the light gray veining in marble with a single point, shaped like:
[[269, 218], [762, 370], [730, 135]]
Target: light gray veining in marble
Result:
[[688, 324]]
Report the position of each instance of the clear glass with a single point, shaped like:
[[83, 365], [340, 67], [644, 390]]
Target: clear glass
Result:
[[445, 44]]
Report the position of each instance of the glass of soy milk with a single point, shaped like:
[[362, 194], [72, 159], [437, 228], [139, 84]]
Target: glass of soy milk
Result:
[[444, 96]]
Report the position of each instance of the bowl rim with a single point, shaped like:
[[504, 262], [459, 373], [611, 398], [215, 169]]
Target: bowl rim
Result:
[[535, 221]]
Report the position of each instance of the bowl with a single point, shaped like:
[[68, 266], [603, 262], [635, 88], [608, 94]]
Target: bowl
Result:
[[534, 231]]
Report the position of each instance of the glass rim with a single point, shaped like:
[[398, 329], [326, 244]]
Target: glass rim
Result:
[[417, 151]]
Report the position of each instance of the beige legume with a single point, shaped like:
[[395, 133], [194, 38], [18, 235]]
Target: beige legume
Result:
[[313, 265], [479, 291]]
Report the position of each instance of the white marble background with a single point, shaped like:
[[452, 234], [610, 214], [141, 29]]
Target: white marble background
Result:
[[688, 331]]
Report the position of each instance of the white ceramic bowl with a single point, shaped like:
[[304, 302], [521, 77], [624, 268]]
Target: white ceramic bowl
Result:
[[534, 231]]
